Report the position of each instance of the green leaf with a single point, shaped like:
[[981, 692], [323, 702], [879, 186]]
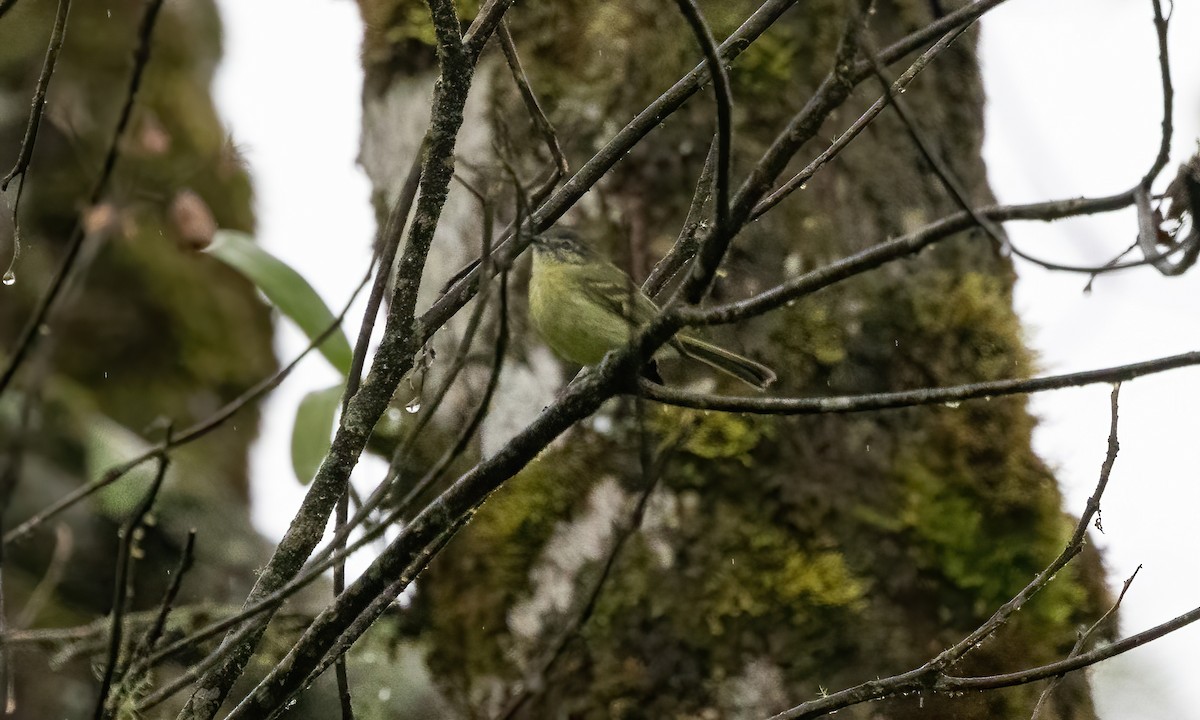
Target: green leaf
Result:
[[313, 430], [286, 290]]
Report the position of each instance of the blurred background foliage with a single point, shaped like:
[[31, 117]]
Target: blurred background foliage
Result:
[[148, 328]]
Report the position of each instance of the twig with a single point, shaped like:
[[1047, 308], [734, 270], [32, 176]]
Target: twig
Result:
[[99, 627], [1151, 255], [189, 676], [480, 31], [890, 250], [910, 398], [962, 17], [535, 679], [724, 97], [913, 682], [154, 632], [543, 124], [1164, 68], [459, 361], [831, 93], [10, 475], [391, 233], [1074, 547], [64, 547], [129, 538], [686, 244], [29, 334], [800, 179], [25, 155], [464, 437], [1080, 643], [373, 611], [931, 675], [951, 184], [940, 169], [38, 105], [339, 584], [156, 626]]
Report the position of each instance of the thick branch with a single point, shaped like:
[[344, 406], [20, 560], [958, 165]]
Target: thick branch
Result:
[[401, 341]]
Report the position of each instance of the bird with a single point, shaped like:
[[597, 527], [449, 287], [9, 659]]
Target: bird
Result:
[[583, 306]]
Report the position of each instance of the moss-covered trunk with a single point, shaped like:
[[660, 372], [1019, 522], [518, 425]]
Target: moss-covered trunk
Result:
[[777, 557]]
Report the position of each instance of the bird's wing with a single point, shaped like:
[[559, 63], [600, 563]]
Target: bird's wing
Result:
[[613, 290]]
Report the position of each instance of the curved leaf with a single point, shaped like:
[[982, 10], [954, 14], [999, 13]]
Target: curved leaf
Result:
[[313, 430], [286, 289]]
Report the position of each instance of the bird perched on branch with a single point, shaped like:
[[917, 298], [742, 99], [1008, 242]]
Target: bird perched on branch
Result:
[[583, 306]]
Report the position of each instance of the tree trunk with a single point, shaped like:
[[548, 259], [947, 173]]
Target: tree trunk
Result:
[[776, 558]]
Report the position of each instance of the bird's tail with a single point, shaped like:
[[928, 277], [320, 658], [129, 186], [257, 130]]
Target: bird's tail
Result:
[[754, 374]]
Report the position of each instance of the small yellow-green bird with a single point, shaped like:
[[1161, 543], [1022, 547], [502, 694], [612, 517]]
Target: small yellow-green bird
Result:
[[583, 306]]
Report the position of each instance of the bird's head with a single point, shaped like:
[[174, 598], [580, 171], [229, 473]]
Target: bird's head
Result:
[[563, 244]]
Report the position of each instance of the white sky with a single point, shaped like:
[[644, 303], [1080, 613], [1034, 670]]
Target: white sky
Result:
[[1074, 109]]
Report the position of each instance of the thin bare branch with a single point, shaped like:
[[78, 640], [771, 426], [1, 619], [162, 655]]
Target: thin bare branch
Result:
[[800, 179], [1164, 69], [1081, 642], [43, 593], [890, 250], [686, 244], [724, 96], [57, 32], [129, 539], [468, 431], [911, 398], [387, 245], [482, 27], [931, 676], [540, 121], [186, 560]]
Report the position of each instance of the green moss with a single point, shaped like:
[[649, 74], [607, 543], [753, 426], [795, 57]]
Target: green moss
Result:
[[713, 436], [987, 556], [972, 313], [811, 329], [767, 572], [505, 540], [399, 36]]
